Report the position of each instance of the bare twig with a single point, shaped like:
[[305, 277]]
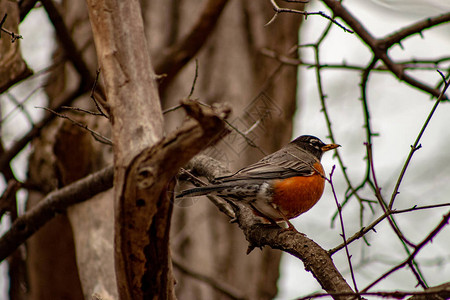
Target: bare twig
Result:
[[195, 79], [13, 150], [184, 50], [170, 109], [324, 109], [103, 101], [67, 42], [97, 136], [380, 47], [219, 285], [428, 239], [341, 219], [364, 230], [441, 292], [413, 265], [20, 105], [416, 146], [14, 36], [416, 28], [411, 64], [278, 10]]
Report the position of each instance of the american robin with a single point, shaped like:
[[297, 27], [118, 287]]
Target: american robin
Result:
[[279, 187]]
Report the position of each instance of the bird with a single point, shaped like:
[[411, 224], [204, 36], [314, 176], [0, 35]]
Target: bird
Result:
[[280, 186]]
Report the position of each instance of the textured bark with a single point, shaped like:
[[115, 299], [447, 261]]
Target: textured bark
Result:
[[149, 181], [12, 66], [133, 99], [232, 70]]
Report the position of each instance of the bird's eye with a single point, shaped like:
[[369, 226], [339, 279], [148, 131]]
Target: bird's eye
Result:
[[315, 143]]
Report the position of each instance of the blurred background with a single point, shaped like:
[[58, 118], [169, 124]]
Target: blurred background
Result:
[[397, 113]]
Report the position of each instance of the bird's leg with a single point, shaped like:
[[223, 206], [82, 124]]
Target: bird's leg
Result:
[[283, 216]]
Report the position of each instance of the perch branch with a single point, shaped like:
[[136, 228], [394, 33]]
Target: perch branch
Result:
[[315, 258]]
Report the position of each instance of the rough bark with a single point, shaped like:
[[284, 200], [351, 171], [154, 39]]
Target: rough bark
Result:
[[136, 116], [149, 182]]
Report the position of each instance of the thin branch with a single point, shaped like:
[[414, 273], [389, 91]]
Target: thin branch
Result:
[[103, 101], [278, 10], [67, 42], [341, 219], [97, 136], [441, 292], [217, 284], [378, 47], [416, 208], [79, 109], [20, 105], [10, 153], [54, 203], [371, 227], [413, 265], [177, 56], [428, 239], [14, 36], [324, 109], [415, 28], [361, 233], [412, 64], [416, 146], [170, 109], [195, 79]]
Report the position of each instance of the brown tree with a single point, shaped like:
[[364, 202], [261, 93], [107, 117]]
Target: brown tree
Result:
[[128, 237]]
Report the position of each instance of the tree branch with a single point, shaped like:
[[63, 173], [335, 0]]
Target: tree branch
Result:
[[379, 46], [67, 43], [177, 56], [418, 27], [428, 239], [217, 284], [315, 258], [54, 203], [12, 151], [145, 261]]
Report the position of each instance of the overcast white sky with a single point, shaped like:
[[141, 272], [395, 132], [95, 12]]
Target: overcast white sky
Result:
[[398, 113]]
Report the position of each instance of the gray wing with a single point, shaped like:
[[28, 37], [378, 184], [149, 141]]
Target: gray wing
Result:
[[281, 164]]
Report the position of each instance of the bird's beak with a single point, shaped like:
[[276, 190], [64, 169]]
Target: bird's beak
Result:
[[330, 147]]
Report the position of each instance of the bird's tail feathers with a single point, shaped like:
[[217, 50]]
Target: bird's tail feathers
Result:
[[199, 191]]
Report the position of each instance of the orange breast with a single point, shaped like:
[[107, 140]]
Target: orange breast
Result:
[[296, 195]]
